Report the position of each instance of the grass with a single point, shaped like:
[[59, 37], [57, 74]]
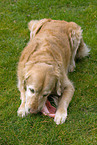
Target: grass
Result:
[[80, 127]]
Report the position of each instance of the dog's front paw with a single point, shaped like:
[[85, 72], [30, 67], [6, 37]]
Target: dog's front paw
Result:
[[60, 117], [21, 112]]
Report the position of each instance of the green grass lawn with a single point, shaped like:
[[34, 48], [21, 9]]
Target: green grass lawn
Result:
[[80, 127]]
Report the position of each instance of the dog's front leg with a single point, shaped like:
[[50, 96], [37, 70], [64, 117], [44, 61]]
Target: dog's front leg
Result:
[[61, 113], [21, 110]]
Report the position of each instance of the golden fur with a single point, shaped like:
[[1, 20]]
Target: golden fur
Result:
[[45, 62]]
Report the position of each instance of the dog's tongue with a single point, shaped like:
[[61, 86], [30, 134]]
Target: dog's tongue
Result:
[[48, 109]]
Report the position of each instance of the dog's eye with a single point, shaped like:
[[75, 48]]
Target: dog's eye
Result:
[[32, 90]]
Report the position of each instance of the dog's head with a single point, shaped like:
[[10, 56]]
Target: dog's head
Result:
[[39, 83]]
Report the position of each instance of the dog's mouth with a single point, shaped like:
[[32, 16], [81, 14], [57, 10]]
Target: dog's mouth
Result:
[[49, 107]]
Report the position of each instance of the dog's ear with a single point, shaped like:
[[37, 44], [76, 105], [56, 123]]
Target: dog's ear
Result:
[[35, 25], [58, 88], [59, 78], [28, 69]]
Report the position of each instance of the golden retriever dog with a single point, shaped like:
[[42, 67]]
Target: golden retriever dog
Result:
[[44, 65]]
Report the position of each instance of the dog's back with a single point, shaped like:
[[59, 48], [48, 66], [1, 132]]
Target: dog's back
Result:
[[51, 39]]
